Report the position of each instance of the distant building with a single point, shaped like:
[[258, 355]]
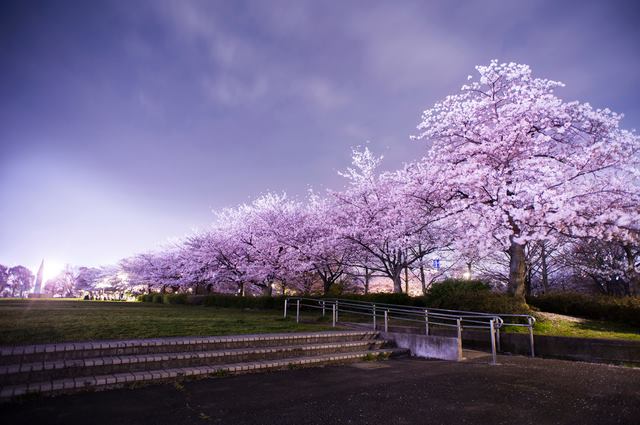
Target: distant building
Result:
[[37, 289]]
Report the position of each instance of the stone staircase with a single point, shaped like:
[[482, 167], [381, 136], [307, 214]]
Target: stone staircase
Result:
[[70, 367]]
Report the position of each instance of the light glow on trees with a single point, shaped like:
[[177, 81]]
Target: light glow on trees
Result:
[[515, 178], [51, 269]]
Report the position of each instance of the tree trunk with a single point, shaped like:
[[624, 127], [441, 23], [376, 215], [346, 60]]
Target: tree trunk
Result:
[[423, 280], [367, 277], [517, 271], [267, 290], [406, 280], [545, 269], [397, 280], [326, 285], [327, 281], [632, 274]]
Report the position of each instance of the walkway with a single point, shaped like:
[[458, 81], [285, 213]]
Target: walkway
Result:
[[406, 391]]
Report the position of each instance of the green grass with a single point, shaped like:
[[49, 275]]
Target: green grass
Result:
[[546, 324], [558, 325], [45, 321]]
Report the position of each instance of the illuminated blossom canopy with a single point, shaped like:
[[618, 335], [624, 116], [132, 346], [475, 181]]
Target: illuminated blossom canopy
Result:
[[521, 165], [510, 167]]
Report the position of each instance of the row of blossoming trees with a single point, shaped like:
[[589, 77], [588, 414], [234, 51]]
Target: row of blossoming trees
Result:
[[516, 183]]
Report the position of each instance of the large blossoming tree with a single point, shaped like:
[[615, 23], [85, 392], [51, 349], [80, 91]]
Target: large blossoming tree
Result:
[[520, 164]]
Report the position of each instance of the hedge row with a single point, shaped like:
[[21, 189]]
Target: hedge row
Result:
[[452, 294], [164, 298], [617, 309], [472, 296]]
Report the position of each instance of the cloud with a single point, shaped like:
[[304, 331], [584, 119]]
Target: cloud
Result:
[[233, 91], [320, 92], [403, 47], [134, 89]]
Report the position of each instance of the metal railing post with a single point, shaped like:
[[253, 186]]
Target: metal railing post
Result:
[[297, 311], [333, 313], [426, 322], [530, 321], [337, 309], [374, 317], [493, 341], [459, 326], [322, 308], [498, 340], [386, 321], [285, 308]]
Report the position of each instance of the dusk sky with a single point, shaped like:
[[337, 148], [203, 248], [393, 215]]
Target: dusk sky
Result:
[[125, 123]]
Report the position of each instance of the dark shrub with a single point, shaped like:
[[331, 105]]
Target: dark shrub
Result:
[[599, 307], [453, 295], [262, 303], [217, 300], [336, 290], [450, 294], [472, 295], [385, 298], [174, 299]]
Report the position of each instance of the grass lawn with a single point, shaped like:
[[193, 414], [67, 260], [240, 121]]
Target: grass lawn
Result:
[[560, 325], [44, 321], [546, 324]]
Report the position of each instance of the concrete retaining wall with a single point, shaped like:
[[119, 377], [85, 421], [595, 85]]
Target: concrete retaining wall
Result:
[[581, 349], [430, 347], [567, 348]]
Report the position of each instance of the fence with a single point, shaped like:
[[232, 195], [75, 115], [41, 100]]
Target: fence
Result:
[[426, 317]]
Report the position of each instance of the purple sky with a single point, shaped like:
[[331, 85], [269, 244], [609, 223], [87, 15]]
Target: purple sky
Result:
[[125, 123]]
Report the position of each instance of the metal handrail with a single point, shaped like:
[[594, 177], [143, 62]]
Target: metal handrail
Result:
[[412, 307], [445, 311], [458, 319]]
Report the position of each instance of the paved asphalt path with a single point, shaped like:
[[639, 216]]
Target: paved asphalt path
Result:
[[403, 391]]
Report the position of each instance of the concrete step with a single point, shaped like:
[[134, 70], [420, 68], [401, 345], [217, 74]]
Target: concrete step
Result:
[[10, 355], [100, 382], [77, 368]]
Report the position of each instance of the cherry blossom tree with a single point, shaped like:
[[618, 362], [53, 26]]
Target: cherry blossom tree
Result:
[[87, 278], [256, 244], [20, 281], [273, 241], [4, 279], [520, 164], [376, 216], [328, 254], [156, 270], [268, 230], [220, 255]]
